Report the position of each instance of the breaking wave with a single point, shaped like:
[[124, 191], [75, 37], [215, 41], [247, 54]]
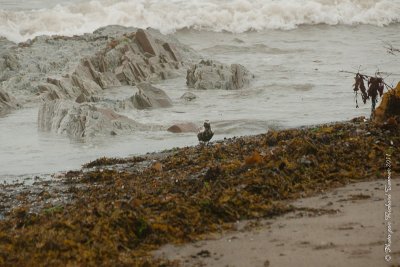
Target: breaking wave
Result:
[[213, 15]]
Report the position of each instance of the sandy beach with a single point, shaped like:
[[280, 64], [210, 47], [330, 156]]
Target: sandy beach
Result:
[[342, 227]]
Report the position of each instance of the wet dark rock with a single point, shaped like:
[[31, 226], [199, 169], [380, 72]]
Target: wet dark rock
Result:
[[151, 97], [185, 127], [146, 42]]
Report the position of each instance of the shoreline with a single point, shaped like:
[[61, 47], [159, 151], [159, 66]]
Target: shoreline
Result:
[[27, 178], [120, 210]]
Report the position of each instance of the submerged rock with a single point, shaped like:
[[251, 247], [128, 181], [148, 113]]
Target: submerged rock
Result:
[[214, 75], [150, 97], [184, 127], [188, 96], [83, 120]]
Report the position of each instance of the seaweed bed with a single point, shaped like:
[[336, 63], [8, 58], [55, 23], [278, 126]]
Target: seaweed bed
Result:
[[119, 210]]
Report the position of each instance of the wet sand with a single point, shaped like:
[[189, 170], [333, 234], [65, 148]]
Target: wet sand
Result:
[[342, 227]]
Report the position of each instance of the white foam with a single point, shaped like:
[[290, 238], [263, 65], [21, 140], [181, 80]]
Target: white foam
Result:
[[215, 15]]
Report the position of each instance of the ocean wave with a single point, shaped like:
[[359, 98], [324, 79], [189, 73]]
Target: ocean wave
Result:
[[256, 48], [212, 15]]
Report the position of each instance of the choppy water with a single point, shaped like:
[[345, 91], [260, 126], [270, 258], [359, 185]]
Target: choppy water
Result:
[[297, 75], [76, 17]]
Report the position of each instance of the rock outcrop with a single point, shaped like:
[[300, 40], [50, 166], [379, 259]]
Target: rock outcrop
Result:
[[389, 107], [55, 67], [214, 75], [83, 120], [150, 97], [66, 75], [7, 102], [127, 60]]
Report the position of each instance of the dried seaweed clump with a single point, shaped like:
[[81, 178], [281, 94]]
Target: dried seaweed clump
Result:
[[376, 85], [110, 161]]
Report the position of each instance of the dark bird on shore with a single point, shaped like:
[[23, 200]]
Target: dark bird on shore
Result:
[[206, 135]]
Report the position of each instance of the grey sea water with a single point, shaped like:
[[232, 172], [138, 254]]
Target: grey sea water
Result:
[[297, 82]]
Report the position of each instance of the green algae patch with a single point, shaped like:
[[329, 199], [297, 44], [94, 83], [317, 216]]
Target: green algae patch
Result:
[[119, 215]]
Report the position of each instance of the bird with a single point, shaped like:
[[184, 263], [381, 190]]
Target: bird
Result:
[[206, 135]]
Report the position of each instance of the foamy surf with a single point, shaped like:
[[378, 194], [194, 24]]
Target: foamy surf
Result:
[[212, 15]]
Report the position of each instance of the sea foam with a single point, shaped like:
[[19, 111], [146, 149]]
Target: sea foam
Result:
[[212, 15]]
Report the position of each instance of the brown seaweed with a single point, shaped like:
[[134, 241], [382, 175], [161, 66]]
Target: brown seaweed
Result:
[[118, 216]]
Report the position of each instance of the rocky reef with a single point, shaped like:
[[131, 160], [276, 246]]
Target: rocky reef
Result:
[[109, 56], [79, 68], [210, 74], [130, 59]]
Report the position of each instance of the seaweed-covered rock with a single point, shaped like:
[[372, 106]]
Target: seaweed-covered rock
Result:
[[151, 97], [390, 105], [214, 75], [83, 120]]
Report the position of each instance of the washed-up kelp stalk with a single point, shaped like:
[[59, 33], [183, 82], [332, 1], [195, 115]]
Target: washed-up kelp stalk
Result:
[[376, 85]]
